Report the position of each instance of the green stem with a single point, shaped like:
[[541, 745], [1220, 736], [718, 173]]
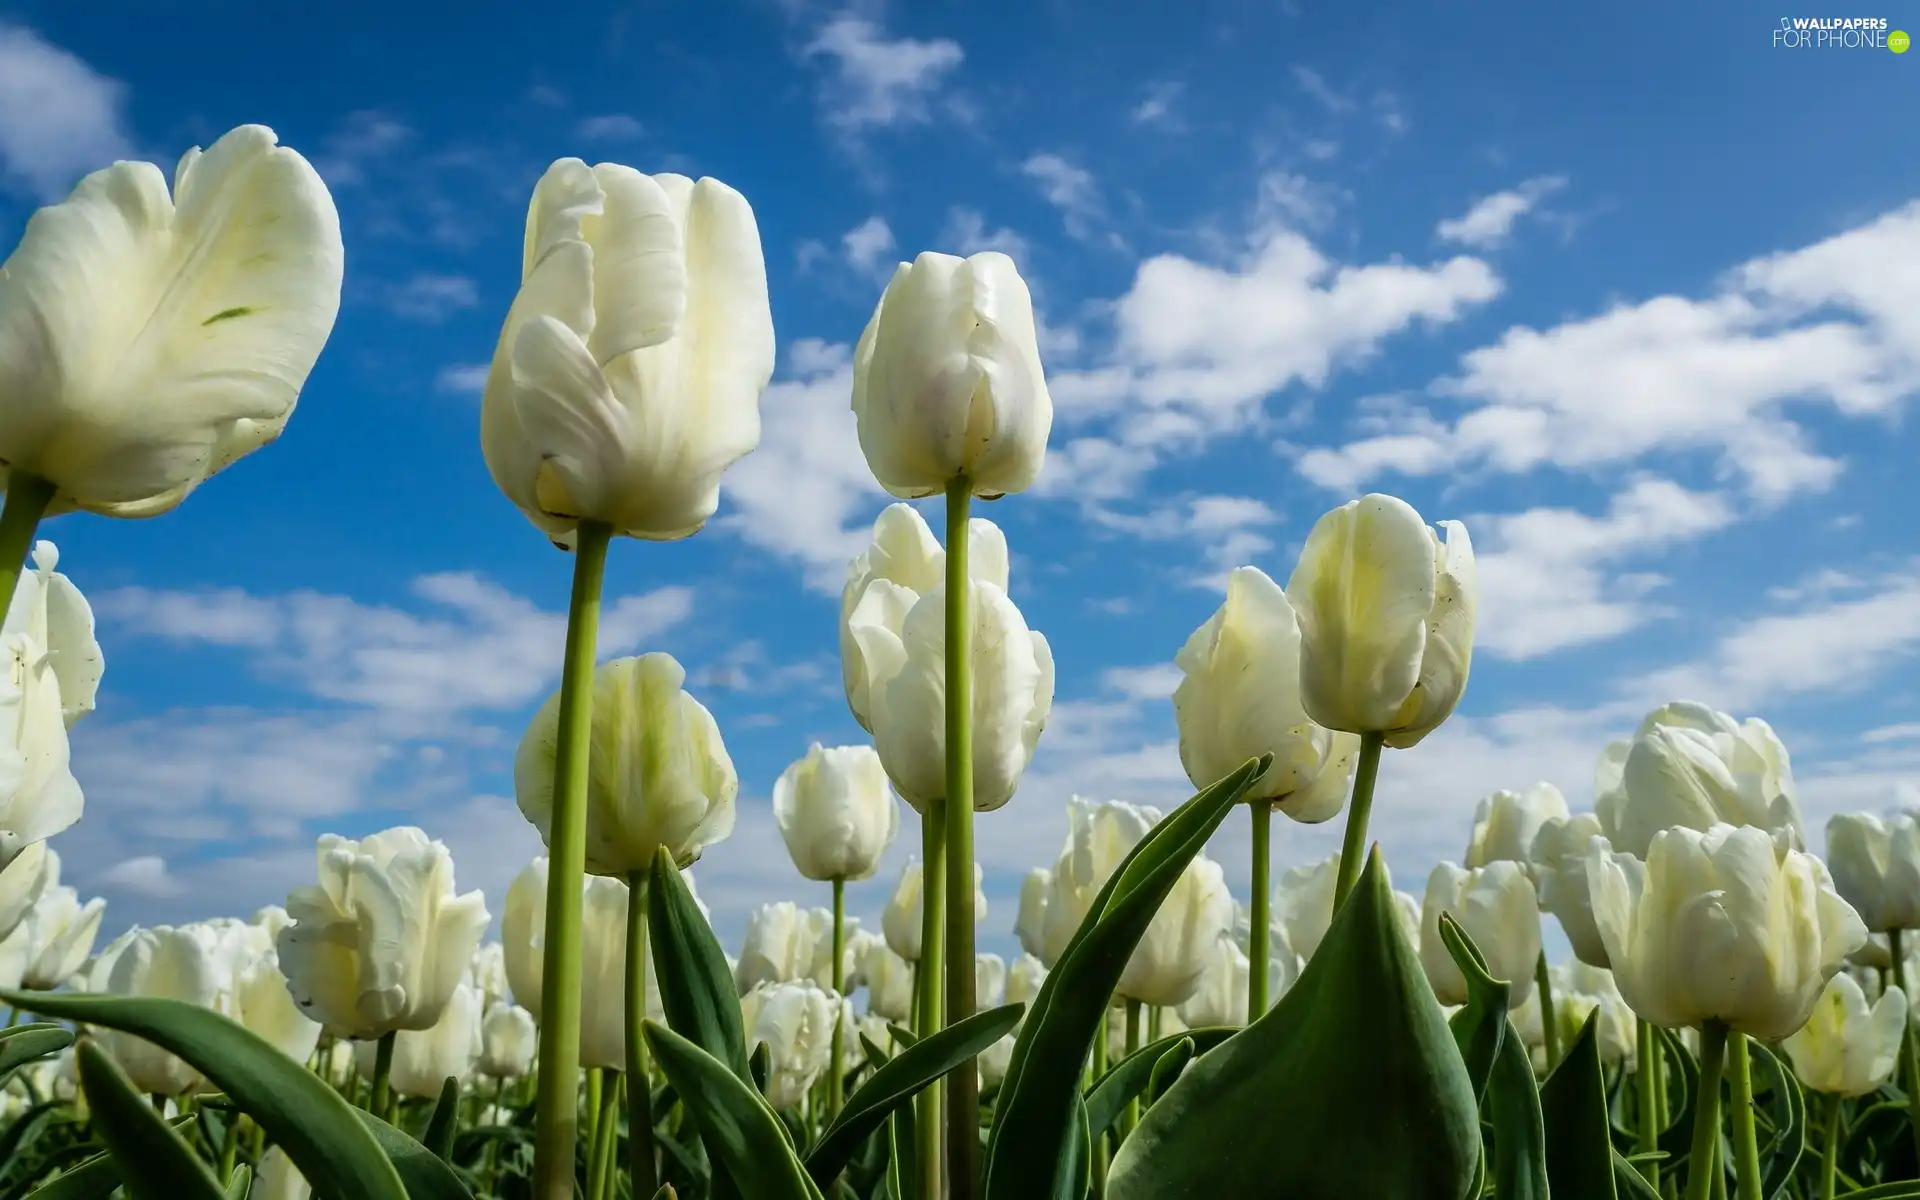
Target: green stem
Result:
[[1258, 953], [596, 1090], [928, 983], [1909, 1069], [1549, 1019], [1746, 1143], [1701, 1167], [1153, 1023], [27, 500], [1353, 847], [382, 1101], [1131, 1117], [1098, 1070], [1836, 1106], [1647, 1111], [557, 1117], [835, 1084], [230, 1145], [606, 1138], [639, 1092], [963, 1082]]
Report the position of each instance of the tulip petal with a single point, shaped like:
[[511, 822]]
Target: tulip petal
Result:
[[639, 266]]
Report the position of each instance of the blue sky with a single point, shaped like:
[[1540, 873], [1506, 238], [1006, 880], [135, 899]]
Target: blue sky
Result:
[[1633, 293]]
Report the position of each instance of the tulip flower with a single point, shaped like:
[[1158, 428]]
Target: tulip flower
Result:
[[164, 961], [1876, 868], [22, 880], [1847, 1048], [488, 972], [147, 340], [1577, 991], [39, 795], [1024, 978], [1170, 959], [423, 1059], [989, 980], [900, 920], [383, 940], [523, 934], [54, 938], [658, 774], [1496, 907], [603, 975], [889, 984], [853, 958], [1559, 859], [250, 988], [795, 1022], [947, 382], [1688, 765], [1030, 925], [507, 1038], [1506, 823], [1221, 995], [779, 946], [836, 813], [279, 1179], [1303, 906], [905, 553], [50, 609], [628, 373], [1099, 837]]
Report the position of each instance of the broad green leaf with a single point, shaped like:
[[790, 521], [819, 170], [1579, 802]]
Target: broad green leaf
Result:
[[899, 1081], [1351, 1086], [1908, 1189], [155, 1162], [438, 1137], [1168, 1069], [1788, 1105], [239, 1182], [423, 1172], [759, 1063], [1519, 1140], [697, 991], [1077, 1173], [903, 1153], [1573, 1103], [1130, 1077], [25, 1043], [1631, 1184], [298, 1110], [741, 1132], [1481, 1026], [91, 1178], [1030, 1145]]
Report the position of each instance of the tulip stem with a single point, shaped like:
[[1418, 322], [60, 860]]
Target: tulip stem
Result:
[[1909, 1067], [639, 1091], [1746, 1143], [27, 499], [927, 981], [963, 1082], [1549, 1020], [1259, 918], [835, 1084], [1701, 1167], [1131, 1117], [382, 1100], [1829, 1165], [606, 1134], [1353, 847], [1645, 1079], [557, 1111], [1098, 1070]]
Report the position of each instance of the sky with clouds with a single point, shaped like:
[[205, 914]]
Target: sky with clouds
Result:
[[1636, 296]]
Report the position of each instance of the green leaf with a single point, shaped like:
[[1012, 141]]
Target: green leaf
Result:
[[1168, 1069], [741, 1132], [759, 1063], [1135, 1072], [239, 1182], [1519, 1138], [1351, 1086], [25, 1043], [1683, 1089], [297, 1109], [1788, 1105], [899, 1081], [444, 1121], [1481, 1026], [1031, 1146], [1076, 1173], [1573, 1103], [155, 1162], [1631, 1183], [697, 991], [425, 1175], [1906, 1189], [903, 1157], [93, 1179]]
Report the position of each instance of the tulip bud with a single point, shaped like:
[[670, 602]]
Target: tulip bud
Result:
[[1239, 698], [383, 941], [947, 379], [1876, 868], [779, 946], [279, 1179], [1170, 959], [1386, 613], [658, 773], [424, 1058], [989, 981], [902, 639], [1559, 860], [48, 608], [1847, 1048], [795, 1022], [603, 975], [1303, 907], [148, 341], [1505, 823], [1730, 925], [1495, 906], [1220, 999], [1688, 765], [52, 940], [889, 984], [900, 920], [488, 972], [835, 812], [1579, 991], [628, 373], [1024, 978], [165, 962], [507, 1042], [1030, 926]]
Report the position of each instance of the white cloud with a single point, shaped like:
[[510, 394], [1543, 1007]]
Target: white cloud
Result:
[[1154, 682], [611, 127], [144, 876], [966, 233], [1157, 108], [868, 245], [461, 379], [1314, 84], [877, 81], [1489, 223], [363, 138], [431, 298], [1225, 529], [1067, 187], [59, 118]]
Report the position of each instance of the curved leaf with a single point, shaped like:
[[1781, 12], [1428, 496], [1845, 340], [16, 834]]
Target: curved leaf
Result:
[[1683, 1086], [697, 991], [155, 1162], [90, 1178], [1168, 1069], [1519, 1138], [425, 1174], [1631, 1184], [1480, 1026], [1906, 1189], [1781, 1155], [1135, 1072], [1573, 1105], [740, 1131], [903, 1077], [1350, 1086], [298, 1110], [25, 1043], [438, 1137], [239, 1182]]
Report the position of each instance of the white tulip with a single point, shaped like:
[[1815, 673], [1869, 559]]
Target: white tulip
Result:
[[657, 775], [1386, 612], [836, 812], [795, 1022], [1172, 957], [423, 1059], [39, 795], [900, 920], [22, 880], [853, 959], [50, 609], [1579, 990], [148, 341], [507, 1042], [994, 1061], [279, 1179], [1730, 925], [628, 373], [947, 379], [1559, 860], [889, 984], [1099, 837], [1688, 765], [603, 975], [1030, 925], [1496, 907], [1303, 906], [52, 941], [383, 940], [523, 933], [1876, 867], [989, 981], [1506, 823], [166, 962], [1221, 997], [779, 946], [1239, 698], [1847, 1048], [905, 553], [488, 972]]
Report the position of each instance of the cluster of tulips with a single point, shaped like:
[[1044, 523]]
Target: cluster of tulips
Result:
[[1734, 1022]]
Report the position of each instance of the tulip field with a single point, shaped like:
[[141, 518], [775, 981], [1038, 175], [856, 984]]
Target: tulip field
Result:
[[1733, 1020]]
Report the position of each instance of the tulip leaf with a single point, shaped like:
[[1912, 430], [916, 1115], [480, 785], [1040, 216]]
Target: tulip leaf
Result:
[[903, 1160], [1629, 1182], [1781, 1155], [1906, 1189], [1683, 1089], [1519, 1137], [156, 1163], [1134, 1073], [1077, 1170], [445, 1120], [25, 1043], [1573, 1104], [697, 991], [1481, 1026], [297, 1109], [1168, 1069], [1030, 1147], [426, 1175], [93, 1179], [239, 1182], [903, 1077], [741, 1132], [1350, 1086]]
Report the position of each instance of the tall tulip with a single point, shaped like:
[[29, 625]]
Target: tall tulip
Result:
[[1876, 868], [507, 1040], [1559, 859], [1495, 905], [423, 1059], [795, 1022], [1689, 765], [779, 946], [168, 962], [53, 940], [1386, 611], [900, 920]]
